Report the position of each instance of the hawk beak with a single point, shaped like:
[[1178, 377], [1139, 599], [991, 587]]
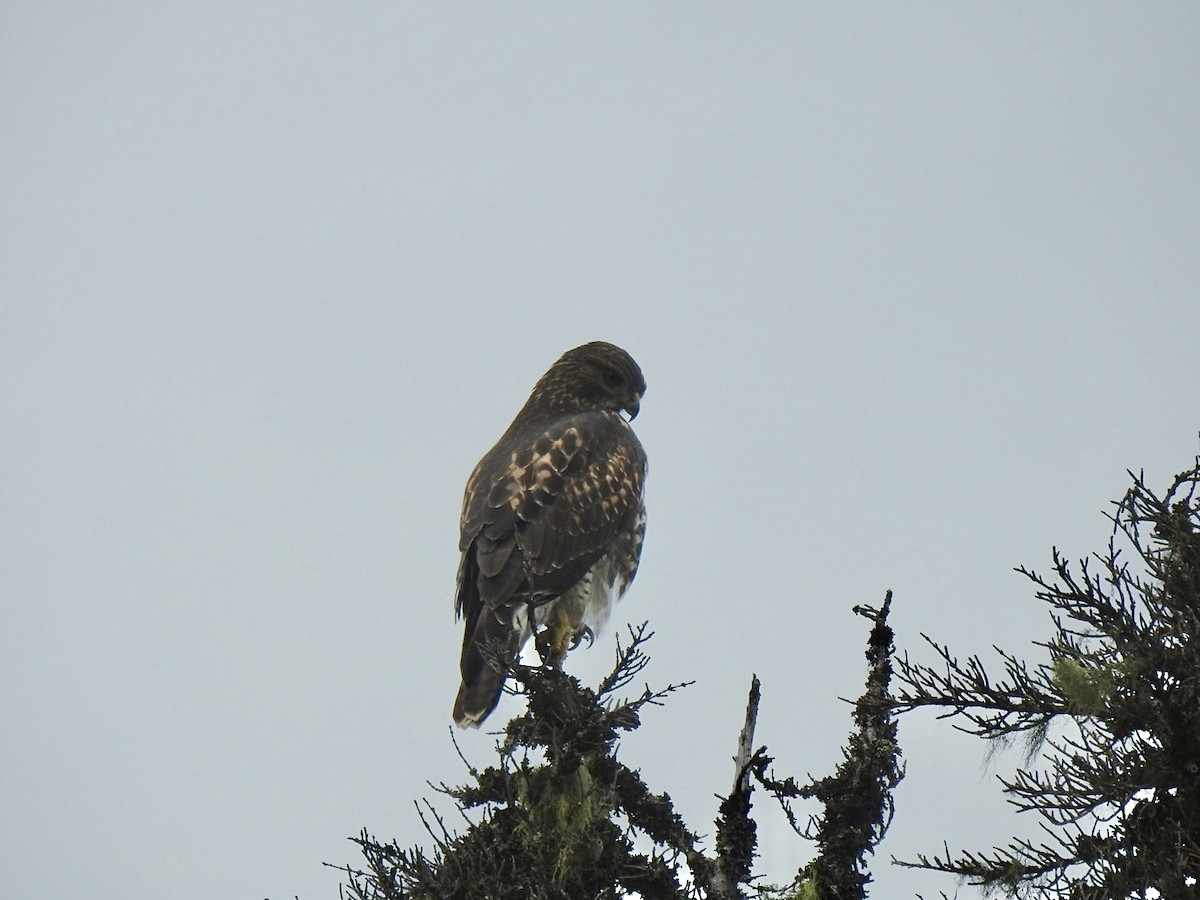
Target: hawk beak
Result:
[[634, 408]]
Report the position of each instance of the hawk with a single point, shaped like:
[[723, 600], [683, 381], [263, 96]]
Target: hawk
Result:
[[552, 522]]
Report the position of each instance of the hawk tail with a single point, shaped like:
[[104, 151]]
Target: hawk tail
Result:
[[488, 648]]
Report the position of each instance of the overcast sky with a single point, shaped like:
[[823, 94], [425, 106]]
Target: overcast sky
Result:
[[912, 286]]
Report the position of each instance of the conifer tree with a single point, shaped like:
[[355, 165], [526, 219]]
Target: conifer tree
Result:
[[1111, 715], [560, 817]]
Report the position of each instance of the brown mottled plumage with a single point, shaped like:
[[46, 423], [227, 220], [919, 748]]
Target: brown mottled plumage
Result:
[[552, 521]]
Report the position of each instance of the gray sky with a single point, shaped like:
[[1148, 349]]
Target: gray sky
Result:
[[912, 286]]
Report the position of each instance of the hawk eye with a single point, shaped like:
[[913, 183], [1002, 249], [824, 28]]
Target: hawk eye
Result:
[[612, 378]]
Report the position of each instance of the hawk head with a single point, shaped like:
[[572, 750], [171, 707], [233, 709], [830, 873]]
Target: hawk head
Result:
[[598, 375]]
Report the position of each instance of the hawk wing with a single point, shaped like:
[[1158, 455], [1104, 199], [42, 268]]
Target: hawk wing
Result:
[[540, 510]]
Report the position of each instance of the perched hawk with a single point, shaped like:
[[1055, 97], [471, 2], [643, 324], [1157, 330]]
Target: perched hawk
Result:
[[552, 522]]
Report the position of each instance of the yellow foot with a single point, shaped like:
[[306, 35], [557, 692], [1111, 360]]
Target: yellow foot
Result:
[[557, 638]]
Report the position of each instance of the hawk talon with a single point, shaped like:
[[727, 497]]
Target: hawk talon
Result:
[[580, 635], [543, 643]]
